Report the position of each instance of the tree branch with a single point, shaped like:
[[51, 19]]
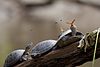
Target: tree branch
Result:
[[69, 56]]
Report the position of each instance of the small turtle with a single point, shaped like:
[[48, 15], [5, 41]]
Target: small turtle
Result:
[[16, 57], [43, 48], [70, 36]]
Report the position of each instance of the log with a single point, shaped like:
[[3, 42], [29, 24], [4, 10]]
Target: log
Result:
[[68, 56]]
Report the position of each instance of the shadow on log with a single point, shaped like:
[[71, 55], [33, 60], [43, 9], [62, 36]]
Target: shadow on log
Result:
[[69, 56]]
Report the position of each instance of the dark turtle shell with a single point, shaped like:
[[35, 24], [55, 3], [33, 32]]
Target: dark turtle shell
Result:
[[66, 38], [43, 48], [13, 58]]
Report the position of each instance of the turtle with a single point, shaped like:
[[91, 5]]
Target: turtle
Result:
[[42, 48], [14, 58], [70, 36], [17, 56]]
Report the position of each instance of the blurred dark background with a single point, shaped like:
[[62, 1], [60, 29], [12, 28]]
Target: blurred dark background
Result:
[[25, 21]]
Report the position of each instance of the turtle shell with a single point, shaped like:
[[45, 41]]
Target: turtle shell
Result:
[[64, 33], [13, 58], [66, 38], [43, 48]]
